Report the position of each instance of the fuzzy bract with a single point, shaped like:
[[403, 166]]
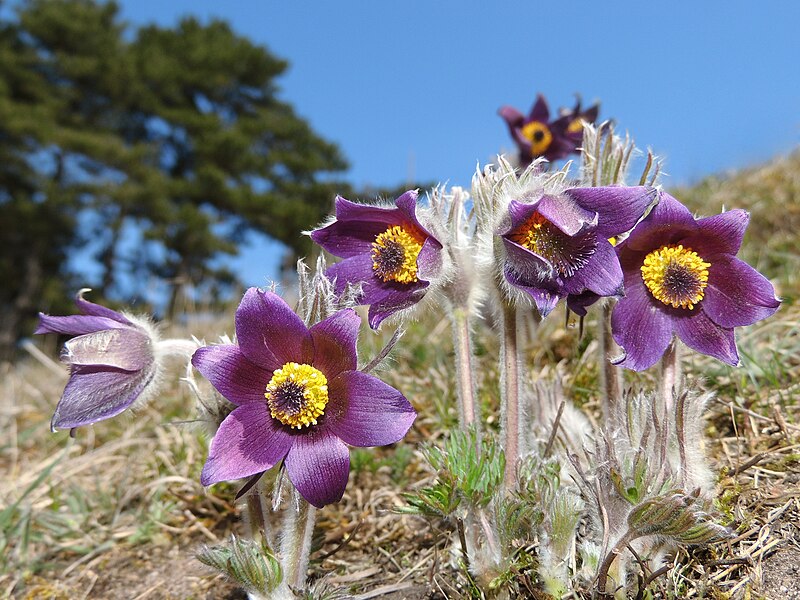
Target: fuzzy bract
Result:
[[538, 136], [299, 399], [386, 251], [557, 245], [682, 278], [112, 363]]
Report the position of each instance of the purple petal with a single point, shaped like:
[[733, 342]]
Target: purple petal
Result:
[[667, 223], [619, 208], [355, 228], [383, 298], [641, 326], [128, 349], [539, 111], [737, 294], [544, 296], [562, 146], [426, 261], [719, 234], [76, 324], [235, 377], [579, 303], [407, 203], [335, 343], [568, 216], [527, 267], [353, 270], [519, 212], [94, 394], [364, 411], [95, 310], [512, 116], [248, 441], [601, 275], [523, 145], [429, 260], [386, 300], [357, 225], [700, 333], [515, 120], [590, 114], [318, 465], [269, 333], [366, 213]]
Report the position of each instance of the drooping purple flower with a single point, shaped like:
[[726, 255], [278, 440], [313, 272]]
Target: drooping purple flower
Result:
[[558, 246], [112, 363], [537, 136], [682, 278], [385, 250], [299, 398]]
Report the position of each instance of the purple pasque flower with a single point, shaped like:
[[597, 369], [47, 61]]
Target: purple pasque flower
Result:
[[385, 250], [112, 363], [558, 245], [537, 136], [299, 398], [682, 278], [576, 117]]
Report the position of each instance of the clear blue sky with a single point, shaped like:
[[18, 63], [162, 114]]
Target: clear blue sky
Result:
[[412, 87]]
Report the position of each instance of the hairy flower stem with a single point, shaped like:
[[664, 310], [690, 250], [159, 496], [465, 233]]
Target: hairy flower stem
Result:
[[611, 376], [602, 573], [176, 347], [509, 383], [465, 375], [298, 525], [670, 376], [257, 514]]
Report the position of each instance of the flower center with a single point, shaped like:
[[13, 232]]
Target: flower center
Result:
[[575, 125], [297, 394], [675, 276], [566, 253], [394, 255], [539, 135]]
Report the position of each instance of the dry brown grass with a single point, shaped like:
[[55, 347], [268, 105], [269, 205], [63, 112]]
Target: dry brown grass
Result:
[[119, 512]]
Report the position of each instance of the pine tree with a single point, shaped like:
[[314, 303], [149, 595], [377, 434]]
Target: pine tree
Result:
[[167, 146]]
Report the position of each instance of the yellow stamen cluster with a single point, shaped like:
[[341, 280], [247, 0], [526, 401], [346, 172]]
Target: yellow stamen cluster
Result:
[[394, 255], [530, 235], [297, 394], [575, 125], [675, 276], [539, 135], [566, 254]]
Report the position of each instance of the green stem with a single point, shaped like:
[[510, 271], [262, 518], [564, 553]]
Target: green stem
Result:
[[465, 375], [611, 376], [670, 376], [298, 525], [256, 520], [176, 347], [509, 381], [602, 573]]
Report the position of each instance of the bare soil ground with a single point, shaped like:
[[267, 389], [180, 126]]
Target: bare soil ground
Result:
[[119, 513]]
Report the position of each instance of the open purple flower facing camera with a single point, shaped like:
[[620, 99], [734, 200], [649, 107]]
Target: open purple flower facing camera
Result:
[[385, 250], [557, 246], [537, 136], [682, 278], [112, 363], [299, 398]]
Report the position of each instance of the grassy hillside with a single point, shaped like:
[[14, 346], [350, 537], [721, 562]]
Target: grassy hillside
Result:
[[119, 511], [772, 195]]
